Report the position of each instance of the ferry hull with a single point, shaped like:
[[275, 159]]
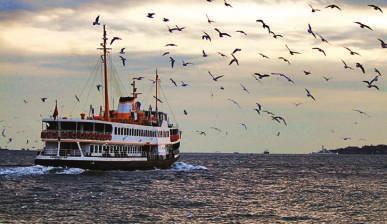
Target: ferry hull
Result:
[[108, 165]]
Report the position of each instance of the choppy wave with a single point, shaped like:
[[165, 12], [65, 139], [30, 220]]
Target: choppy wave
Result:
[[37, 170], [182, 166]]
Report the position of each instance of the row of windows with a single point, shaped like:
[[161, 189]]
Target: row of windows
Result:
[[139, 132], [114, 149]]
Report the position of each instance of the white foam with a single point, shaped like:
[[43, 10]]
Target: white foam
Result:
[[181, 166], [37, 170], [71, 171]]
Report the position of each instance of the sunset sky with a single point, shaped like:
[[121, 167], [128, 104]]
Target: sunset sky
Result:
[[49, 49]]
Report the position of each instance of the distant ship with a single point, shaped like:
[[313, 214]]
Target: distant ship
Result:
[[324, 151], [266, 152], [128, 138]]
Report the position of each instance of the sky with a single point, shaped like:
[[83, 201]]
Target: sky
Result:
[[49, 49]]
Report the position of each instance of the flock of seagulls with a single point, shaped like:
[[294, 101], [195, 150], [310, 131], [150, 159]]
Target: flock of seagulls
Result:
[[233, 60], [292, 52]]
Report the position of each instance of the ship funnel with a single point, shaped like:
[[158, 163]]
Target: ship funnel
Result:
[[125, 104]]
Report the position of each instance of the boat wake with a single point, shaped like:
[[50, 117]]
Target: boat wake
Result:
[[37, 170], [181, 166]]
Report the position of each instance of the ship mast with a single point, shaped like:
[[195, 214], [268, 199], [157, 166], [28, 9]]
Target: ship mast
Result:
[[106, 113], [157, 99]]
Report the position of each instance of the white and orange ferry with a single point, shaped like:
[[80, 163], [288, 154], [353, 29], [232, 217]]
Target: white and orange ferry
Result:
[[128, 138]]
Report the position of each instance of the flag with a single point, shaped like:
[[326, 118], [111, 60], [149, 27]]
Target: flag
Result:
[[55, 114]]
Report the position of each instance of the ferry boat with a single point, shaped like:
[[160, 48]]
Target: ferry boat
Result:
[[128, 138]]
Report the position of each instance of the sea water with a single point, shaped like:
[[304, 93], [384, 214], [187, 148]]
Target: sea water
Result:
[[203, 188]]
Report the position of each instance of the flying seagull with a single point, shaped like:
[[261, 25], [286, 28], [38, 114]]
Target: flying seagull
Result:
[[186, 63], [77, 98], [284, 59], [234, 59], [361, 112], [227, 4], [223, 55], [179, 28], [319, 49], [311, 31], [242, 32], [260, 76], [264, 25], [172, 60], [377, 71], [279, 119], [360, 66], [382, 43], [234, 102], [215, 78], [351, 51], [183, 84], [377, 8], [236, 50], [370, 83], [150, 15], [362, 25], [313, 9], [216, 129], [209, 20], [96, 21], [259, 108], [204, 54], [244, 88], [221, 34], [308, 94], [201, 132], [322, 38], [284, 76], [114, 39], [290, 51], [264, 56], [275, 35], [123, 60], [327, 78], [173, 81], [333, 6], [346, 66], [99, 86], [206, 36]]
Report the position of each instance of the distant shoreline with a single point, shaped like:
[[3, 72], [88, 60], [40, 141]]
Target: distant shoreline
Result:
[[367, 149]]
